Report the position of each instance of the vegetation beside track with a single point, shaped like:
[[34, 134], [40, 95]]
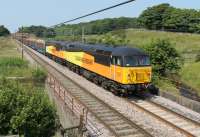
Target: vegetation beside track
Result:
[[8, 48], [24, 106]]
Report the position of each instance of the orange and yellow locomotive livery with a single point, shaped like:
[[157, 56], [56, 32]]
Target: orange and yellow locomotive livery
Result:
[[122, 70], [119, 69]]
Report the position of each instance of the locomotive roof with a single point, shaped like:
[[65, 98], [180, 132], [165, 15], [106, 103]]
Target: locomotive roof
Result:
[[114, 51], [127, 51]]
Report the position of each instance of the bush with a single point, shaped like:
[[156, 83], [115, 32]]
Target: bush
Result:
[[197, 58], [4, 31], [164, 58], [39, 75], [26, 112]]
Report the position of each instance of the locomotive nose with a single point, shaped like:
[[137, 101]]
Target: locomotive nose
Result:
[[136, 76]]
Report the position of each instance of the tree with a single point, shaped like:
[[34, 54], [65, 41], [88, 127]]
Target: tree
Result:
[[37, 118], [164, 58], [4, 31], [166, 17], [182, 20], [152, 18]]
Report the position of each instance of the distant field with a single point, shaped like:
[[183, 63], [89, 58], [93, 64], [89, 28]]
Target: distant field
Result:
[[187, 44], [8, 48]]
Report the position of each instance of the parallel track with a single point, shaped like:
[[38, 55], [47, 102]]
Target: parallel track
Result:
[[184, 125], [115, 122]]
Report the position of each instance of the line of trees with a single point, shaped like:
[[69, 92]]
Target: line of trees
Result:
[[99, 26], [159, 17], [39, 31]]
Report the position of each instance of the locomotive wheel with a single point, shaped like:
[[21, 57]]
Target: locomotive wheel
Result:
[[115, 92], [103, 84], [153, 89], [95, 80], [123, 93]]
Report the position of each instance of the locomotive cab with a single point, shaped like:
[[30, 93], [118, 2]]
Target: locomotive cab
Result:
[[131, 67]]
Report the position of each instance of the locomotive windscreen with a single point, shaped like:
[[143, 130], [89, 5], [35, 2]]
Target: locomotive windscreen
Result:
[[132, 61]]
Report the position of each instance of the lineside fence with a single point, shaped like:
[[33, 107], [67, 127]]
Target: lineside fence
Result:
[[86, 126], [191, 104]]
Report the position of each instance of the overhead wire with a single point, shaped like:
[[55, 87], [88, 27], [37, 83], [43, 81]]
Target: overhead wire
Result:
[[102, 10]]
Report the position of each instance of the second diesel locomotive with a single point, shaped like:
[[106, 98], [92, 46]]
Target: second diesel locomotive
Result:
[[122, 70]]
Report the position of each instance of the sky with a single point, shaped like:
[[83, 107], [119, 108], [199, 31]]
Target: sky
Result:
[[17, 13]]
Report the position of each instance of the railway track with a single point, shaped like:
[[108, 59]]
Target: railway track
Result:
[[186, 126], [115, 122]]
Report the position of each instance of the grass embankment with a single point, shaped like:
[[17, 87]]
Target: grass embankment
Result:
[[190, 74], [187, 44]]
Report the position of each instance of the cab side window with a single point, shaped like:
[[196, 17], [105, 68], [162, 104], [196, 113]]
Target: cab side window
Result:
[[117, 61], [113, 61]]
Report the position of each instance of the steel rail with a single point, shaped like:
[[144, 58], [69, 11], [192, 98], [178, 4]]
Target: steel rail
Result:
[[175, 113], [183, 131]]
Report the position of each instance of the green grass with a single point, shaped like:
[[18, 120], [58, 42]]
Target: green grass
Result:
[[186, 44], [8, 48], [11, 65], [167, 86], [191, 75]]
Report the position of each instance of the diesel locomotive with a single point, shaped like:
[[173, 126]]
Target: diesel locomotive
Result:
[[122, 70]]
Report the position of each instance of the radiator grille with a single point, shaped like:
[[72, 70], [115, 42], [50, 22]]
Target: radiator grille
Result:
[[140, 76]]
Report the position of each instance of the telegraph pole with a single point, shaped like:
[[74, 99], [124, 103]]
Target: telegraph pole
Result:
[[83, 34], [73, 34], [22, 48]]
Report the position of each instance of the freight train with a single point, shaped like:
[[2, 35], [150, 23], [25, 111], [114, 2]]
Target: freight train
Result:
[[122, 70]]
